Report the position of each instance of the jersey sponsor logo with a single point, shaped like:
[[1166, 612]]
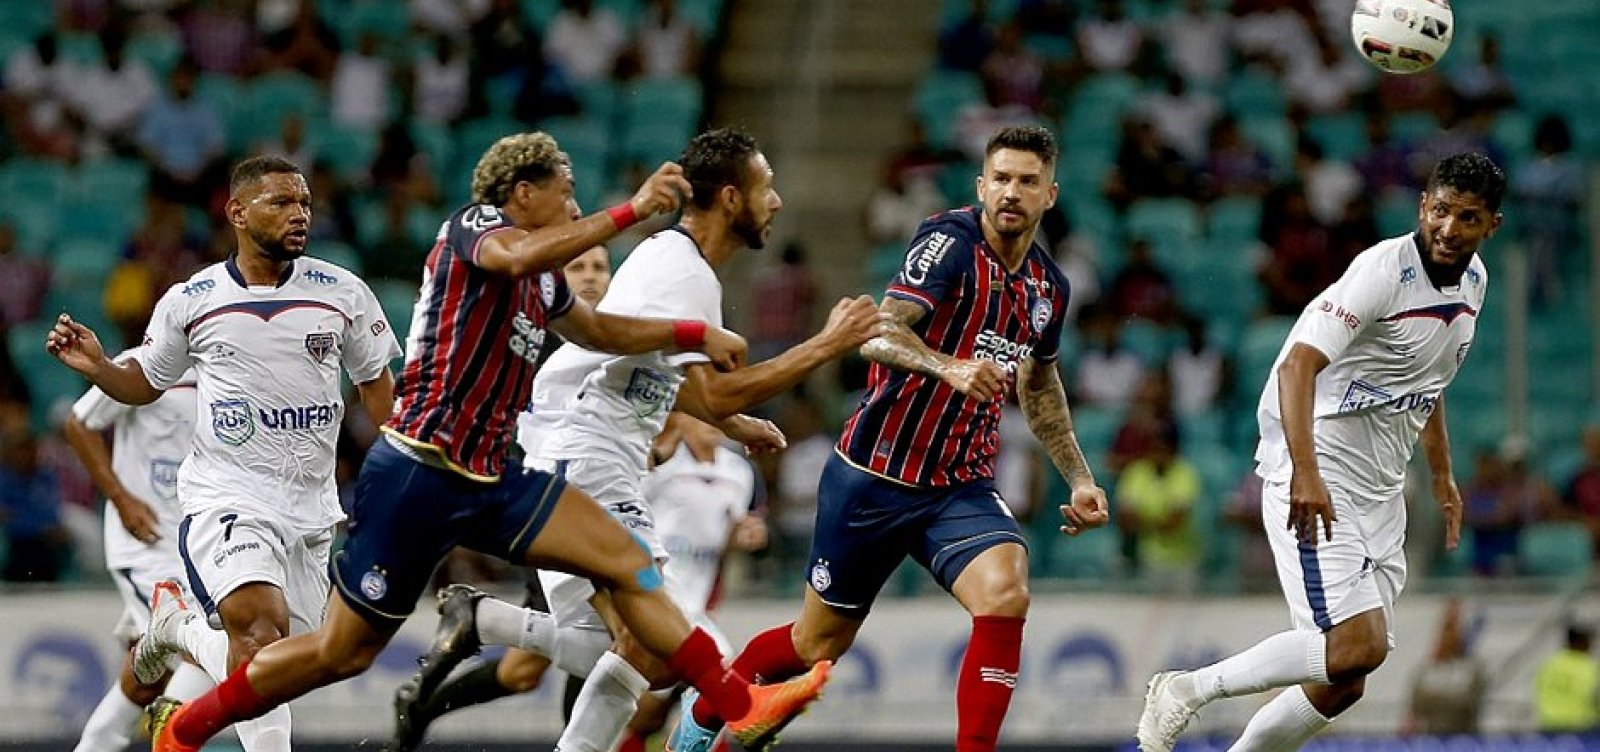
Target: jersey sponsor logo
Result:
[[300, 417], [232, 421], [164, 478], [648, 391], [1408, 275], [684, 549], [526, 339], [1042, 310], [990, 345], [481, 217], [925, 256], [227, 552], [319, 345], [199, 286], [374, 585], [379, 327], [1474, 277], [320, 277], [1349, 318], [821, 578]]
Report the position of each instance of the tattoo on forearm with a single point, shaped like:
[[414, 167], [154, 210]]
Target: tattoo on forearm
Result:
[[1044, 403], [901, 348]]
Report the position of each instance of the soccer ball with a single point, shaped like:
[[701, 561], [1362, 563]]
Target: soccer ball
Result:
[[1402, 36]]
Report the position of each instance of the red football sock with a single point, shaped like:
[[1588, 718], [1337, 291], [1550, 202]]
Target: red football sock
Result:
[[988, 677], [231, 701], [700, 662], [770, 657], [632, 742]]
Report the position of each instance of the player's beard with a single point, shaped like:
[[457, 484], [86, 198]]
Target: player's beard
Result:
[[274, 247], [753, 234], [1013, 231]]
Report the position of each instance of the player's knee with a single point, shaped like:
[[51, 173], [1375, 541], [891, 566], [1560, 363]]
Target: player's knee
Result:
[[247, 642], [1352, 659], [1009, 598], [633, 569]]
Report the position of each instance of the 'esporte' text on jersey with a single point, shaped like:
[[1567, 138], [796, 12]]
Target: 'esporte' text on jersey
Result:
[[148, 444], [1393, 342], [266, 366], [587, 403], [916, 429], [474, 342]]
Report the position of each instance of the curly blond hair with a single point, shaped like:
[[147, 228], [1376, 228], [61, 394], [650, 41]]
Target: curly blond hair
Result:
[[533, 157]]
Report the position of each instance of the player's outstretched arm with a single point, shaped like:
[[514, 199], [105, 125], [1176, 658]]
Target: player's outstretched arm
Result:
[[900, 347], [1436, 447], [723, 394], [77, 346], [520, 253], [1044, 403], [626, 335]]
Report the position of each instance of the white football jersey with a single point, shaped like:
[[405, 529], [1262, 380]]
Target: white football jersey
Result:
[[695, 505], [266, 361], [586, 403], [1393, 342], [148, 444]]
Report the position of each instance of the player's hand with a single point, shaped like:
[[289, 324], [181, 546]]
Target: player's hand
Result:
[[1309, 505], [750, 533], [726, 349], [851, 323], [758, 436], [982, 380], [661, 193], [1449, 498], [74, 344], [138, 518], [1088, 509]]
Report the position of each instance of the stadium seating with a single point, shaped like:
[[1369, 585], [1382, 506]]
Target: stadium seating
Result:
[[1555, 549]]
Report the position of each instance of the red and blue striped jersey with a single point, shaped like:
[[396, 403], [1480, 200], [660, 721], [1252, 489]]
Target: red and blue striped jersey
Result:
[[473, 348], [916, 429]]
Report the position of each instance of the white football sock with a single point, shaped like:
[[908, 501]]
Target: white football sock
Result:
[[578, 649], [208, 647], [110, 726], [1282, 725], [1286, 658], [609, 698], [188, 682], [500, 623], [269, 733]]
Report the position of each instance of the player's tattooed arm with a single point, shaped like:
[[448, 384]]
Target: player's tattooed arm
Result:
[[1044, 403], [900, 347]]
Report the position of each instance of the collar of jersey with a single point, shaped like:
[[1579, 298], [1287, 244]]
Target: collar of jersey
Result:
[[679, 228], [232, 264]]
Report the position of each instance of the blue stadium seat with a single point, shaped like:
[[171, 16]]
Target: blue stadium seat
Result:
[[1555, 549]]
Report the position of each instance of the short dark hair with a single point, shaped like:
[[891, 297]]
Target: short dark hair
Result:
[[717, 158], [1471, 172], [255, 168], [1039, 141]]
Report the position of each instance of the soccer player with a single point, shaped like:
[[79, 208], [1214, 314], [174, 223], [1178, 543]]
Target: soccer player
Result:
[[417, 704], [266, 333], [441, 475], [596, 415], [1360, 378], [138, 474], [977, 311]]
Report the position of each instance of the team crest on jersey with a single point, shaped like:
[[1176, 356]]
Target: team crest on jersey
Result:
[[821, 578], [319, 344], [481, 217], [547, 289], [164, 478], [232, 421], [374, 585], [648, 392], [1474, 277], [1042, 310], [1408, 275]]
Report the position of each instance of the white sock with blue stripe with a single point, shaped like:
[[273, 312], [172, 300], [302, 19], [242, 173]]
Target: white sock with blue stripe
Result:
[[1293, 657]]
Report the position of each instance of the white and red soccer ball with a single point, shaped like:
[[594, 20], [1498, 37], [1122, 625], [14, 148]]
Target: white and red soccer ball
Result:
[[1402, 36]]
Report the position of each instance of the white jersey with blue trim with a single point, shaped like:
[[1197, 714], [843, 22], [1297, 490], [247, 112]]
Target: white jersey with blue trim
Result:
[[266, 360], [1394, 341], [148, 445], [696, 505], [586, 403]]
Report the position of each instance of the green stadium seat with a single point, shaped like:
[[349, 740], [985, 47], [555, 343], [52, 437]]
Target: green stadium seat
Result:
[[1253, 91], [1555, 549], [161, 51], [1160, 220], [50, 384], [1262, 341], [80, 48], [540, 12], [1415, 127], [347, 151], [664, 99], [938, 96], [1147, 341], [1343, 135], [1095, 555], [1209, 427], [337, 253], [27, 19], [397, 298], [587, 141], [704, 15], [1397, 213], [273, 97], [1272, 133], [1235, 218], [601, 101]]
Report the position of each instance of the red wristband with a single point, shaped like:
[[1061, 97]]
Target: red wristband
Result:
[[689, 335], [622, 215]]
